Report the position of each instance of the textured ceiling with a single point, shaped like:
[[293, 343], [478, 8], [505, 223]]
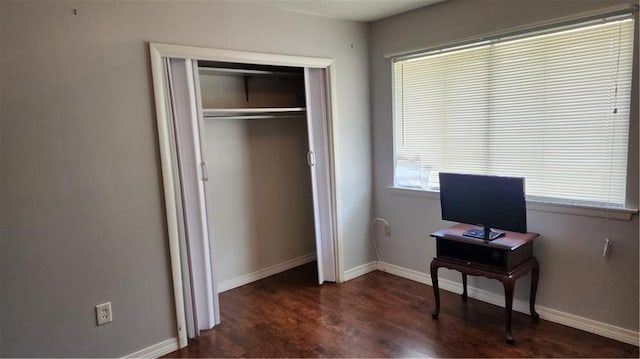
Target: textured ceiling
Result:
[[358, 10]]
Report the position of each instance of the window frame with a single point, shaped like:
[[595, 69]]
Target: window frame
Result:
[[546, 204]]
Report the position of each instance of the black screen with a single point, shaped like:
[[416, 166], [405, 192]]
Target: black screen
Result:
[[488, 201]]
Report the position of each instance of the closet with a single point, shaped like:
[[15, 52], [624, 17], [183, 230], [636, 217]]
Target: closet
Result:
[[248, 170], [260, 203]]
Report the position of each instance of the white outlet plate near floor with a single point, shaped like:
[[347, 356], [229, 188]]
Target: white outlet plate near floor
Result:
[[103, 313]]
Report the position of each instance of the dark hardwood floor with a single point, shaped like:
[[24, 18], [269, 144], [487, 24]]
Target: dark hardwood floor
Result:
[[377, 315]]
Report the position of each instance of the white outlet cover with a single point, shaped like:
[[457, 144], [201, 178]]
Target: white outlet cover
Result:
[[103, 313]]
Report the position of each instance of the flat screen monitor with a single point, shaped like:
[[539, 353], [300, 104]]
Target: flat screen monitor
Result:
[[486, 201]]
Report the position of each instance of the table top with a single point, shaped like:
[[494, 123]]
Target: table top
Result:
[[510, 240]]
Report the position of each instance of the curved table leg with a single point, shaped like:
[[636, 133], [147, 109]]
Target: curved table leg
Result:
[[436, 292], [464, 287], [509, 285], [535, 275]]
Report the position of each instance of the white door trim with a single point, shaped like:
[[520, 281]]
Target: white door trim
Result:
[[159, 51], [166, 164], [224, 55]]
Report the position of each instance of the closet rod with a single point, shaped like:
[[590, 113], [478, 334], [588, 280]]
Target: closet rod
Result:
[[246, 72], [252, 110], [252, 117]]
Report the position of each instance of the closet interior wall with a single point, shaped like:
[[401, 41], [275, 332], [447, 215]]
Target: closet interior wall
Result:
[[259, 195]]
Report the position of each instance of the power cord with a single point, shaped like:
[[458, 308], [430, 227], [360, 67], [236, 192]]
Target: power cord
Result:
[[373, 242]]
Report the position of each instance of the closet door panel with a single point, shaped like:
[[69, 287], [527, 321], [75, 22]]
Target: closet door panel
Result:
[[318, 159], [185, 112]]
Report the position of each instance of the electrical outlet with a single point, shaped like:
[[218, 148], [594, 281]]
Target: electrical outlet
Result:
[[103, 313], [387, 230]]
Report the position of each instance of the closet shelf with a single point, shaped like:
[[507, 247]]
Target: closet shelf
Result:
[[253, 113], [248, 74]]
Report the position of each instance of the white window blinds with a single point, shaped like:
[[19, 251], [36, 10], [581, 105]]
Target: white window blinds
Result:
[[552, 107]]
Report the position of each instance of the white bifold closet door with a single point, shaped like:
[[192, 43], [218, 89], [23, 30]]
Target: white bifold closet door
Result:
[[318, 158], [196, 252], [197, 255]]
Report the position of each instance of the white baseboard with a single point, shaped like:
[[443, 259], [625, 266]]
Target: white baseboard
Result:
[[156, 350], [265, 272], [552, 315], [360, 270]]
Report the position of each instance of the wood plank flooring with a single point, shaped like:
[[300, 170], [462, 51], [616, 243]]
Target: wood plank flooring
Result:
[[378, 315]]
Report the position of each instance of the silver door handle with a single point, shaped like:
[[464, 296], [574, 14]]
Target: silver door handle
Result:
[[311, 158], [205, 171]]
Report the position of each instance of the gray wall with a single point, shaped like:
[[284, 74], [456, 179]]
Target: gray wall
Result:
[[575, 278], [260, 193], [80, 199]]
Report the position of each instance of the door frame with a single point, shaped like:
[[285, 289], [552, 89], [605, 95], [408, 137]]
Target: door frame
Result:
[[158, 51]]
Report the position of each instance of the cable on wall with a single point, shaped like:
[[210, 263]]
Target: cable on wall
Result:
[[613, 114], [373, 242]]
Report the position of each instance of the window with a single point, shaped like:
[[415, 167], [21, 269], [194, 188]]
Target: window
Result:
[[551, 106]]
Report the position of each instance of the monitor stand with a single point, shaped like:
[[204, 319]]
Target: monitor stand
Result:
[[482, 233]]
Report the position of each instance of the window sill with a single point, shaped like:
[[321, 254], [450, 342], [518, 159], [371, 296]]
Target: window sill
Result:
[[623, 214]]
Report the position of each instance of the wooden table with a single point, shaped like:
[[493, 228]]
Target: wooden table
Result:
[[506, 259]]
